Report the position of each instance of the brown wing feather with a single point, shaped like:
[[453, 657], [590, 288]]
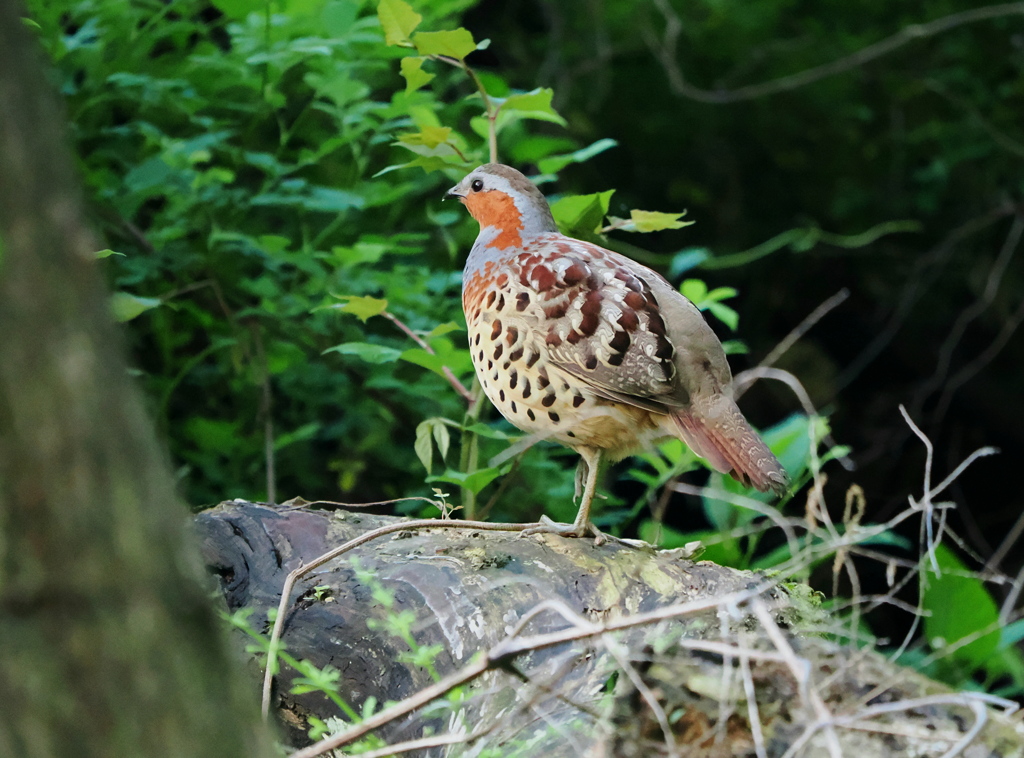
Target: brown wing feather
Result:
[[603, 324]]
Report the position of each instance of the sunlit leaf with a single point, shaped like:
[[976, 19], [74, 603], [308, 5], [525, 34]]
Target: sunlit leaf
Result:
[[424, 445], [574, 213], [456, 43], [127, 306], [694, 290], [535, 104], [398, 20], [415, 76], [362, 307], [442, 329], [107, 253], [655, 221], [431, 136], [442, 438]]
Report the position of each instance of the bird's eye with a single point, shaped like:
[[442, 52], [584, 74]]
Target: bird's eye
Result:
[[477, 185]]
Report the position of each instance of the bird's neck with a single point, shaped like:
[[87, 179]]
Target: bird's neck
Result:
[[506, 221]]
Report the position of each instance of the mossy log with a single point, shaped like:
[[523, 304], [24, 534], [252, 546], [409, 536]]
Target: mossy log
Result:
[[737, 670]]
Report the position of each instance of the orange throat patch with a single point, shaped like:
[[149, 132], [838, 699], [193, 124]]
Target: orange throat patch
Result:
[[497, 209]]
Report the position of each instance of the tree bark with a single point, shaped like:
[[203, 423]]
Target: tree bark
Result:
[[462, 592], [110, 646]]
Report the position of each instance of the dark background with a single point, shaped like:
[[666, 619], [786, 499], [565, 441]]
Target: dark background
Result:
[[929, 132], [233, 157]]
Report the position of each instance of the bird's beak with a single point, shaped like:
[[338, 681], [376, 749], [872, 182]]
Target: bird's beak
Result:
[[453, 192]]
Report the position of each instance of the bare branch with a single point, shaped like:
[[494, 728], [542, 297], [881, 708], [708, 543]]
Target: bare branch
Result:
[[666, 54], [804, 326], [452, 379]]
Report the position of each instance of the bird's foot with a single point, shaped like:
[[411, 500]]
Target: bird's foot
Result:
[[547, 526]]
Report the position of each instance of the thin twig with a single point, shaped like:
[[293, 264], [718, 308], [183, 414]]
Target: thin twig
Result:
[[804, 326], [742, 501], [753, 714], [667, 54], [974, 701], [452, 379], [972, 312], [425, 743], [622, 659], [801, 669]]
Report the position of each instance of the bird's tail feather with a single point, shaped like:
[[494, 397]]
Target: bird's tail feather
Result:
[[717, 431]]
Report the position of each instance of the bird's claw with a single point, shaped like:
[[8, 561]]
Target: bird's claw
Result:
[[547, 526]]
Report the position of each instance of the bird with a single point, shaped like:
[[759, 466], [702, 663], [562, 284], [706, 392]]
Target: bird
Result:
[[584, 346]]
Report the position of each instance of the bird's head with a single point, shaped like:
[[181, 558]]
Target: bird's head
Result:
[[501, 198]]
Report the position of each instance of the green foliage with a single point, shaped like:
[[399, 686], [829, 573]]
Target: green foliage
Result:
[[958, 605], [962, 627], [252, 171]]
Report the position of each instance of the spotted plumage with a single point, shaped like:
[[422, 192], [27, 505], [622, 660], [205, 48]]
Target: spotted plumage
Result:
[[587, 347]]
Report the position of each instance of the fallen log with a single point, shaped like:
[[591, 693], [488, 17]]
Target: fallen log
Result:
[[561, 647]]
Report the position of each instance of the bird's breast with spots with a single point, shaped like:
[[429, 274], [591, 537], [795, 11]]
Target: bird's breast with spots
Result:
[[543, 320]]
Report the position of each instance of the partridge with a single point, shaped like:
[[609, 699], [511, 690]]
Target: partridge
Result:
[[584, 346]]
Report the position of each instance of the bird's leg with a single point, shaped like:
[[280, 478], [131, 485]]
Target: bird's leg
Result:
[[586, 481], [580, 479], [590, 458]]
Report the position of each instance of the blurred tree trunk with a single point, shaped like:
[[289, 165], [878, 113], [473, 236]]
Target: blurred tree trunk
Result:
[[110, 645]]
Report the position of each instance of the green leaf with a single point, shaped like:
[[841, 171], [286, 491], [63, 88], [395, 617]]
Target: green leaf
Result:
[[655, 221], [735, 347], [368, 352], [415, 76], [442, 438], [127, 306], [362, 307], [442, 329], [304, 432], [694, 290], [555, 163], [445, 355], [431, 136], [457, 43], [534, 101], [959, 606], [473, 482], [724, 313], [107, 253], [424, 446], [398, 20], [581, 213]]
